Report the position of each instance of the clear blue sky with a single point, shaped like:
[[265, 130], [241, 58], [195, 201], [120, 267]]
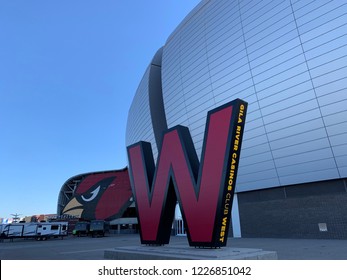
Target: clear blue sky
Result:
[[68, 72]]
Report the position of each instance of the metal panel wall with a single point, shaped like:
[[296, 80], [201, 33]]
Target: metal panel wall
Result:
[[288, 59], [139, 124]]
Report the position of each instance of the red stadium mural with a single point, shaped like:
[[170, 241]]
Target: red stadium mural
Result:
[[100, 196]]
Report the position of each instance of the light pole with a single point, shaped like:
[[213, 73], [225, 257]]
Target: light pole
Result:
[[16, 217]]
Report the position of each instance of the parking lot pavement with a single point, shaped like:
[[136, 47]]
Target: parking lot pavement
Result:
[[87, 248], [69, 248]]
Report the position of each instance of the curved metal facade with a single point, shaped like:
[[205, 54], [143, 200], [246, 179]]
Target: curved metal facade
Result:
[[146, 118], [287, 59]]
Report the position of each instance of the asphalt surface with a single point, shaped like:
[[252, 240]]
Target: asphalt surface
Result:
[[87, 248]]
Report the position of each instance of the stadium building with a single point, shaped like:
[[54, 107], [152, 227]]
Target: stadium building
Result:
[[104, 195], [288, 60]]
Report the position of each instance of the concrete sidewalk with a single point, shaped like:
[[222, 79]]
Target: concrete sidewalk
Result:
[[287, 249], [296, 249], [85, 248]]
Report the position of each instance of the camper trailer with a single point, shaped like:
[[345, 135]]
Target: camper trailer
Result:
[[39, 231]]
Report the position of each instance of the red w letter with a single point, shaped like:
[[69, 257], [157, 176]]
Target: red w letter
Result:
[[204, 192]]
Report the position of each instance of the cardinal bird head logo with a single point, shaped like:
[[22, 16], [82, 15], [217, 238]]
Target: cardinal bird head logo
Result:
[[102, 196]]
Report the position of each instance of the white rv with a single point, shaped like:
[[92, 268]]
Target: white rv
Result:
[[39, 231]]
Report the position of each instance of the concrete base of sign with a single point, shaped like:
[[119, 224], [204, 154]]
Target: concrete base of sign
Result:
[[187, 253]]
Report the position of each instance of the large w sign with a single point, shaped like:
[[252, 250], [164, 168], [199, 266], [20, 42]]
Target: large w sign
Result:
[[204, 191]]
